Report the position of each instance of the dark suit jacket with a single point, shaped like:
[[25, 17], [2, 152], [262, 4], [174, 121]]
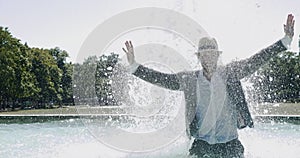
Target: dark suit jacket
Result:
[[233, 73]]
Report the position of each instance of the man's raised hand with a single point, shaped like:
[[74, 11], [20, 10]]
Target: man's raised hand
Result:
[[129, 52], [289, 26]]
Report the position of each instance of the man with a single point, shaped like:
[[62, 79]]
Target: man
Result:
[[215, 102]]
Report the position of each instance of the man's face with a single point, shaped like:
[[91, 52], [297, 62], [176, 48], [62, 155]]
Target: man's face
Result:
[[209, 60]]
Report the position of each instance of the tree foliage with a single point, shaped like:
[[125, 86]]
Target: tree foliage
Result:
[[32, 75], [100, 81], [278, 80], [104, 71], [84, 81]]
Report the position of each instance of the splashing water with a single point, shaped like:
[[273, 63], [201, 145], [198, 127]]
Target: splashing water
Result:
[[70, 138]]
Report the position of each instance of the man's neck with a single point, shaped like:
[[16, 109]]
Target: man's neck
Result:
[[207, 75]]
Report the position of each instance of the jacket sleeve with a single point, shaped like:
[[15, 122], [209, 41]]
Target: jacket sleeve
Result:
[[248, 66], [169, 81]]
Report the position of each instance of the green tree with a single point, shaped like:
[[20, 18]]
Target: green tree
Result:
[[84, 81], [48, 77], [278, 80], [104, 72], [16, 80], [65, 84], [29, 74]]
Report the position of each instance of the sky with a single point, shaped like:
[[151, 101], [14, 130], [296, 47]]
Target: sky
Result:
[[241, 28]]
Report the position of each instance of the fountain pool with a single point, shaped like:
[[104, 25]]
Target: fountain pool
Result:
[[71, 138]]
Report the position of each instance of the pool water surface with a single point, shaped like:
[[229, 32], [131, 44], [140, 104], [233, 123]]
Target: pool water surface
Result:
[[71, 138]]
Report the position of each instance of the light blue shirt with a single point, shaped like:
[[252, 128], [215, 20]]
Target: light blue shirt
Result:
[[225, 128]]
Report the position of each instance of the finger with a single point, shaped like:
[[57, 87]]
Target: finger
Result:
[[124, 50], [293, 23], [127, 45], [290, 19], [130, 44]]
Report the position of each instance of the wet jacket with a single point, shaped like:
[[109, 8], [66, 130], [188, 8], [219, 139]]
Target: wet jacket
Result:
[[234, 72]]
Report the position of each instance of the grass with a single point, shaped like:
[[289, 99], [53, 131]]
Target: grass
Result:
[[277, 109], [69, 110], [265, 109], [58, 114], [64, 110]]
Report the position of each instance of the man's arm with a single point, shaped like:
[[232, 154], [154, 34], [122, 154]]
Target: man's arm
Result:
[[169, 81], [246, 67]]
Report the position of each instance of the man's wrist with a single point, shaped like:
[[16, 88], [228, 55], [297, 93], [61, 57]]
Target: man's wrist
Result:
[[133, 67], [286, 41]]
